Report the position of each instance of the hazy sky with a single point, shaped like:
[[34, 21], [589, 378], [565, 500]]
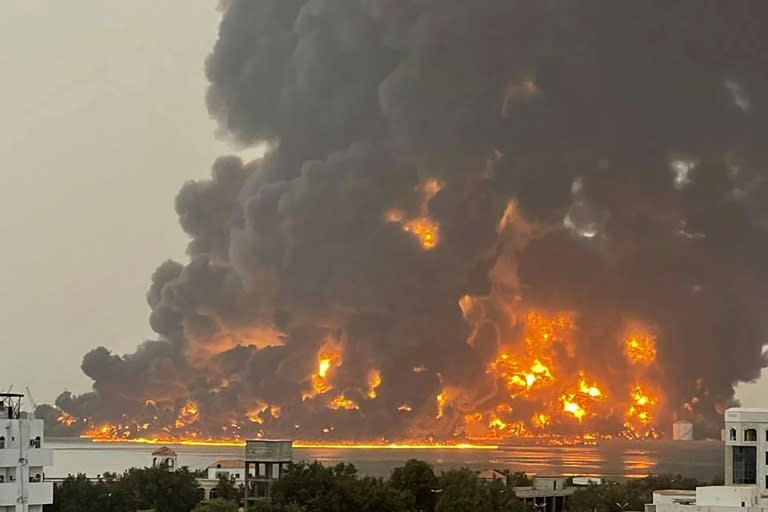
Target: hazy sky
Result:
[[102, 118]]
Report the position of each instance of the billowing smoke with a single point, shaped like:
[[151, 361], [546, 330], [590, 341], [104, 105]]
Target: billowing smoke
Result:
[[440, 175]]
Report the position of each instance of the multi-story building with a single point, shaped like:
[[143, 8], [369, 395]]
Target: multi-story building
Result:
[[265, 462], [746, 447], [746, 471], [22, 459], [547, 494]]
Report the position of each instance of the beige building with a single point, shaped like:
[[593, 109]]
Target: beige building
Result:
[[547, 494], [746, 471]]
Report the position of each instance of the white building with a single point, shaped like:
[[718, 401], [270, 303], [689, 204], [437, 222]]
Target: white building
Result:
[[547, 492], [166, 458], [746, 471], [682, 430], [746, 447], [22, 459], [233, 469]]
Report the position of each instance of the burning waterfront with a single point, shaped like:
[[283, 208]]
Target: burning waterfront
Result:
[[540, 374], [474, 222]]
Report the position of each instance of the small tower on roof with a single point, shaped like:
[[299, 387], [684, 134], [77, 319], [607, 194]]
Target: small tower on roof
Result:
[[164, 457]]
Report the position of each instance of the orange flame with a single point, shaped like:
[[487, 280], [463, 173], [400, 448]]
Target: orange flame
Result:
[[440, 405], [328, 358], [188, 415], [539, 367], [66, 419], [343, 403], [422, 226], [640, 348], [374, 381]]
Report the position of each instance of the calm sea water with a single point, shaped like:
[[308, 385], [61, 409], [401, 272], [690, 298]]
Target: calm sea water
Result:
[[614, 459]]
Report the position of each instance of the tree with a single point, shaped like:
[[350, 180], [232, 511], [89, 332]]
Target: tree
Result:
[[636, 493], [77, 494], [318, 488], [418, 479], [375, 495], [227, 490], [159, 489], [460, 491], [216, 505], [337, 489]]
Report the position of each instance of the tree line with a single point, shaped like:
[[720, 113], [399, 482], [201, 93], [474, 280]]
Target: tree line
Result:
[[312, 487]]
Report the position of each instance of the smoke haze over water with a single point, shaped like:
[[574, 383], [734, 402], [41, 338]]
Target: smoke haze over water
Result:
[[440, 175]]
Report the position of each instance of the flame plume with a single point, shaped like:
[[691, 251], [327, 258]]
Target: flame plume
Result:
[[452, 236]]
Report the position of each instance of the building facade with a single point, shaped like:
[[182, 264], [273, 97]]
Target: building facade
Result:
[[746, 471], [547, 494], [746, 447], [265, 461], [23, 458]]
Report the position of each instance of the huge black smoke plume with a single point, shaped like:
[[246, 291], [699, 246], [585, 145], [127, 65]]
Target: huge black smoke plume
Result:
[[602, 157]]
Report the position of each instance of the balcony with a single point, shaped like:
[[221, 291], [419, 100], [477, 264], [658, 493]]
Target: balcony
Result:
[[40, 457], [40, 493], [9, 493], [9, 458], [36, 457]]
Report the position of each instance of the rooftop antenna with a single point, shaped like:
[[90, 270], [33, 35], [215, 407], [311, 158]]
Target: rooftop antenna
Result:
[[10, 404], [31, 402]]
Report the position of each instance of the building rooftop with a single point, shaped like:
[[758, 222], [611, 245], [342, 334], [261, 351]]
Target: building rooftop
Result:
[[164, 452], [228, 463], [675, 492]]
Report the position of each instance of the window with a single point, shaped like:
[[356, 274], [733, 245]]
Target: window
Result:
[[750, 435], [744, 465], [732, 434], [766, 481]]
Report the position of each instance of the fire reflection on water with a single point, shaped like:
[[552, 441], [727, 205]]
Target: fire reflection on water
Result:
[[619, 459]]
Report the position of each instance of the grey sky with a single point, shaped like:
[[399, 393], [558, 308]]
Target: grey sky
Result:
[[102, 119]]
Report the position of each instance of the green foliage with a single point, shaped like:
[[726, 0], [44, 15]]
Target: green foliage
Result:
[[634, 493], [136, 489], [460, 491], [227, 490], [217, 505], [314, 487], [417, 479], [78, 494], [163, 490]]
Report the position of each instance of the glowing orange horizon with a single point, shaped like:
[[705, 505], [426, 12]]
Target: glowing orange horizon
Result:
[[300, 444]]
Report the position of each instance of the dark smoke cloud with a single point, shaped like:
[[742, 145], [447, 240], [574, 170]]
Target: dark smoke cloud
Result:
[[630, 136]]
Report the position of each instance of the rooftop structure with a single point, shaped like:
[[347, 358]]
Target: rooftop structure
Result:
[[265, 461], [492, 475], [234, 469], [165, 457], [548, 493]]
